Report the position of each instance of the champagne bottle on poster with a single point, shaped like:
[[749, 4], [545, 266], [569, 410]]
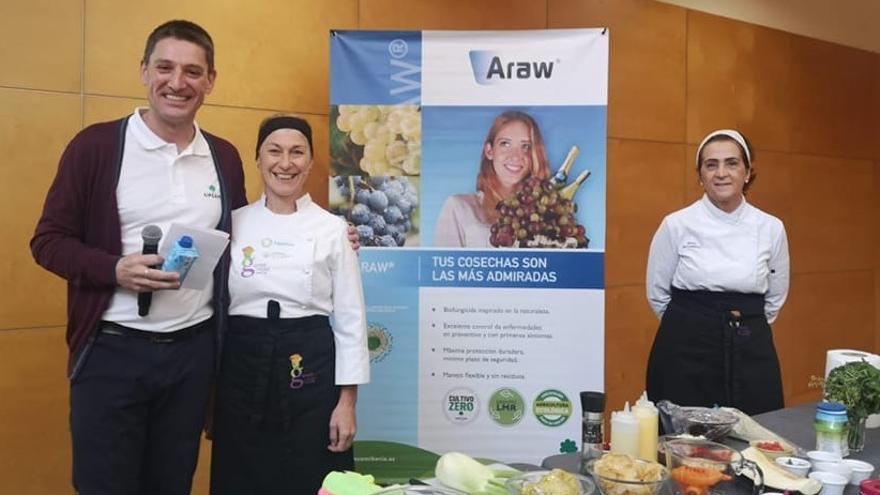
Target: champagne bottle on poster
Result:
[[570, 190], [560, 178]]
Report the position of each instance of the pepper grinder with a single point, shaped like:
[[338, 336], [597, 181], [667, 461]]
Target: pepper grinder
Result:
[[593, 425]]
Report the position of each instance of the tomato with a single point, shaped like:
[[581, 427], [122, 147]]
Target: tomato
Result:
[[771, 446]]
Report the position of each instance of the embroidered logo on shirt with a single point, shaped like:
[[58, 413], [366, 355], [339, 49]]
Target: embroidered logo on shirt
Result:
[[268, 242], [297, 377], [212, 192], [690, 244]]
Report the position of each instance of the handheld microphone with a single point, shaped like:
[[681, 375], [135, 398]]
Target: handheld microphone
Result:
[[151, 235]]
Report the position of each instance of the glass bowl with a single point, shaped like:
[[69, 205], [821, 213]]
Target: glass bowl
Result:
[[711, 423], [613, 486], [519, 484]]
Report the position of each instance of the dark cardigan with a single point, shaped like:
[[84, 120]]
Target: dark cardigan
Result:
[[78, 236]]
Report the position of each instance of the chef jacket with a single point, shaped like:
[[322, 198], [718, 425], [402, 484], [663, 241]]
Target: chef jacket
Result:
[[305, 262], [702, 247]]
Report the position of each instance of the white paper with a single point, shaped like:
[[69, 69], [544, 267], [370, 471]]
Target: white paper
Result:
[[209, 243]]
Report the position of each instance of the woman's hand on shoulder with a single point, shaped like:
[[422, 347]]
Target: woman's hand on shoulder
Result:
[[352, 234]]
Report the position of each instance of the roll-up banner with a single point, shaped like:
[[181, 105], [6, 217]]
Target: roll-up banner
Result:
[[473, 166]]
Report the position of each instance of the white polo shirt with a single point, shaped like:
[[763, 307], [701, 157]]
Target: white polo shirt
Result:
[[157, 185]]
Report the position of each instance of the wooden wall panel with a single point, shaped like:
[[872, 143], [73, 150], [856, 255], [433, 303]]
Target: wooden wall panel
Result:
[[830, 310], [834, 99], [202, 478], [875, 109], [40, 45], [773, 190], [831, 226], [30, 295], [269, 54], [34, 439], [452, 14], [630, 326], [738, 76], [876, 244], [644, 184], [646, 93], [103, 108]]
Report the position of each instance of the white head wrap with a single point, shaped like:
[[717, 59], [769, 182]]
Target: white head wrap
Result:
[[732, 134]]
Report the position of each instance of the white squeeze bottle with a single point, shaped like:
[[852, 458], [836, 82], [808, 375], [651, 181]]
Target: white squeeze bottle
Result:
[[647, 415], [625, 432]]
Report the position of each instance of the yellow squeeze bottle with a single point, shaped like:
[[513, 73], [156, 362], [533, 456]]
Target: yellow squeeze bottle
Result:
[[647, 415]]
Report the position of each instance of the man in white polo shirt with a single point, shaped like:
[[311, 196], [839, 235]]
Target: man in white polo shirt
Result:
[[139, 385]]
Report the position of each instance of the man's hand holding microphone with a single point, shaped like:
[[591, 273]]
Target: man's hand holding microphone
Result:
[[140, 271]]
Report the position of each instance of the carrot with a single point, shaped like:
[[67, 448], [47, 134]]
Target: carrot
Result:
[[697, 480]]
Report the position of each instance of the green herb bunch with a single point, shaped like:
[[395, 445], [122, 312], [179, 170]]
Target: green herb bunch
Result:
[[856, 385]]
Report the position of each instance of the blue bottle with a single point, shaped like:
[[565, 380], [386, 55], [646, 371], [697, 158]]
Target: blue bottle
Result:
[[181, 257], [831, 427]]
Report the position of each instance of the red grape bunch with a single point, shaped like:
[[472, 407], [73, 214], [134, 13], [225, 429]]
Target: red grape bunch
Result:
[[538, 215]]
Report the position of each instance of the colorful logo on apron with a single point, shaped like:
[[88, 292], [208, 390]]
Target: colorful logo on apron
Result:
[[297, 377]]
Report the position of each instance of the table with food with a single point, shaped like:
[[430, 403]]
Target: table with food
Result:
[[715, 451], [823, 448]]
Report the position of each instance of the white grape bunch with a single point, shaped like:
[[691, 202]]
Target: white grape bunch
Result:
[[385, 140]]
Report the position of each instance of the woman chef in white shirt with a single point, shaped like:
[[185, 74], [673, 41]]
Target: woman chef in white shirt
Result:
[[717, 277], [285, 413]]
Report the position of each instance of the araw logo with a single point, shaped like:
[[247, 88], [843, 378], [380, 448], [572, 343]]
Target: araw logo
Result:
[[491, 67]]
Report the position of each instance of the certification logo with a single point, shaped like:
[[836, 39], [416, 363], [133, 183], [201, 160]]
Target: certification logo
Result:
[[461, 405], [506, 407], [379, 341], [551, 408]]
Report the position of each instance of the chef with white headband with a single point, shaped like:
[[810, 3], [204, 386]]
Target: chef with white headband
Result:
[[718, 273]]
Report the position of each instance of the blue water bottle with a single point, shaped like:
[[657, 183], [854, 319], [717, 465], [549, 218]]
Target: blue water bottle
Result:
[[181, 257]]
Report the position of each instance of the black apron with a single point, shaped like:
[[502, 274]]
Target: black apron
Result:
[[275, 395], [715, 348]]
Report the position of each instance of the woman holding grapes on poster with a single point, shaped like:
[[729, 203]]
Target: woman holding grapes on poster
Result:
[[512, 152]]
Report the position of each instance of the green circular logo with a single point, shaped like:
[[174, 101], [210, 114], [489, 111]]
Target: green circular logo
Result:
[[379, 341], [506, 407], [551, 408]]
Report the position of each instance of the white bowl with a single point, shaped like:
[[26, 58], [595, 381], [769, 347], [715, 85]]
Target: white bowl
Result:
[[834, 467], [823, 456], [832, 483], [794, 465], [861, 470]]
